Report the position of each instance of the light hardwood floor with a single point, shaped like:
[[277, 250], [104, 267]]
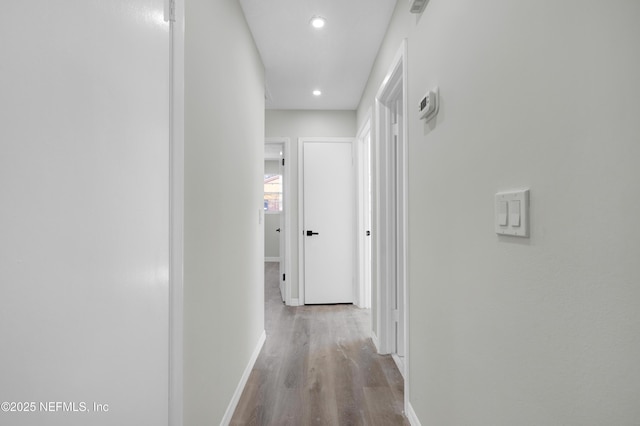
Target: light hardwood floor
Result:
[[319, 367]]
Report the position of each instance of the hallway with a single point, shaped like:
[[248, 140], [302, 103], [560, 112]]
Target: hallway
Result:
[[318, 366]]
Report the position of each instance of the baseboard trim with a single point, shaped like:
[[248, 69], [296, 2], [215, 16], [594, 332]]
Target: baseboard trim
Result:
[[272, 259], [243, 381], [411, 416], [376, 342], [399, 363]]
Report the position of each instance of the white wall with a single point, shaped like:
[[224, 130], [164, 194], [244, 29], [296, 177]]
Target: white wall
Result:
[[295, 124], [224, 164], [543, 95], [84, 196], [271, 167]]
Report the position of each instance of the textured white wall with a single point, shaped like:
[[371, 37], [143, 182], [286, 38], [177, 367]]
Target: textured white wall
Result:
[[84, 196], [224, 166], [295, 124], [543, 95]]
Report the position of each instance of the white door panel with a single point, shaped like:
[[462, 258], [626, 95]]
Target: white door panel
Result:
[[84, 212], [328, 211], [281, 237]]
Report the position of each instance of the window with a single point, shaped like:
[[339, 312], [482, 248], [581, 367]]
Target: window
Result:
[[272, 193]]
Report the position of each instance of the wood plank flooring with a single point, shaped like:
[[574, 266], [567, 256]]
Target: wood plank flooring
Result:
[[319, 367]]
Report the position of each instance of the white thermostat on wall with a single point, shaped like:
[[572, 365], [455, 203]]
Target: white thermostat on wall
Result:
[[512, 213], [428, 107]]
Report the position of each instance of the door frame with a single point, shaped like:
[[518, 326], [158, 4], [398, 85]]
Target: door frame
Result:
[[287, 211], [389, 206], [364, 222], [301, 271], [176, 212]]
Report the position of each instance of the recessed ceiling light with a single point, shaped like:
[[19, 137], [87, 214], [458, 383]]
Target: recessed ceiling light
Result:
[[318, 21], [317, 92]]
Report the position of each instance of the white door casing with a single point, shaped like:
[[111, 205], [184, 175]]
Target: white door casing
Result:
[[327, 212], [391, 206]]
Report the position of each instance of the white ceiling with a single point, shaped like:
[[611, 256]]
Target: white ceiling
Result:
[[298, 58]]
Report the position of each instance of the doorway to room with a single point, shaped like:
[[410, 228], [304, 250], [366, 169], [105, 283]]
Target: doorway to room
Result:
[[391, 184], [276, 211]]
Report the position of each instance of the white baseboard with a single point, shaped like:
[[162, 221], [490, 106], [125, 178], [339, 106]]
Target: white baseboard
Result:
[[243, 381], [411, 416], [272, 259], [376, 342], [399, 363]]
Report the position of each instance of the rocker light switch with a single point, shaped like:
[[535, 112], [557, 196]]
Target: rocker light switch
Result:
[[512, 213], [502, 213]]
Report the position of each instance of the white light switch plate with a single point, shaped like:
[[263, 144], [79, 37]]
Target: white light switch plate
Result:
[[517, 225]]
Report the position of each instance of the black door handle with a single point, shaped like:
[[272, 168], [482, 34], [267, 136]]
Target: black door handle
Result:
[[278, 230], [310, 233]]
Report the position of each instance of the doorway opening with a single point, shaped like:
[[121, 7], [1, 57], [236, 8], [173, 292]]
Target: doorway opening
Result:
[[391, 207], [277, 217]]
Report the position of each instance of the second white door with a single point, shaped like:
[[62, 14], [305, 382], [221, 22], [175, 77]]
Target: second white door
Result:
[[328, 221]]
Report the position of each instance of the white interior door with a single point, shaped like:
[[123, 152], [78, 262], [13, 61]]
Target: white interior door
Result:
[[367, 221], [84, 252], [281, 235], [363, 296], [328, 221]]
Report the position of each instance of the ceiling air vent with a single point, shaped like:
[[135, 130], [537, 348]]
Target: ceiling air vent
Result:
[[417, 6]]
